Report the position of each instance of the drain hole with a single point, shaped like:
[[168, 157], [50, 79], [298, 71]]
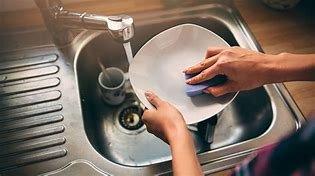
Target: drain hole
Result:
[[130, 117]]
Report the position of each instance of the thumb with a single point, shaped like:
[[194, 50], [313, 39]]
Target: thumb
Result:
[[147, 115], [153, 99], [220, 90]]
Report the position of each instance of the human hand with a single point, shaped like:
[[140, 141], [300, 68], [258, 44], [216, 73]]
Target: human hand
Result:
[[244, 68], [167, 123], [164, 121]]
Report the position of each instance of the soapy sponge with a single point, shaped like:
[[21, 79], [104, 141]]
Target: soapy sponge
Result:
[[197, 89]]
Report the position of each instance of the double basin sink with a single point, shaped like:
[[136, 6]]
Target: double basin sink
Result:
[[254, 119]]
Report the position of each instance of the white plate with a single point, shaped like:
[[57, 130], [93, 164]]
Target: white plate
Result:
[[158, 67]]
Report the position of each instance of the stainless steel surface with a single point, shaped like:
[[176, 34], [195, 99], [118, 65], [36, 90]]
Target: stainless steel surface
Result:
[[100, 138], [244, 119], [254, 119], [60, 22], [108, 129]]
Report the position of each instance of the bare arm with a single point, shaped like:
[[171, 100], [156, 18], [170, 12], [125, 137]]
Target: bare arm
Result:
[[184, 161], [294, 67], [167, 123], [248, 69]]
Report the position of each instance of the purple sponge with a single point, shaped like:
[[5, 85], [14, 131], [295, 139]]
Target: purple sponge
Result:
[[196, 89]]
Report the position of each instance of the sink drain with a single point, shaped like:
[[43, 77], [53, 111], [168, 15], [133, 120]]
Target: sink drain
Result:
[[130, 117]]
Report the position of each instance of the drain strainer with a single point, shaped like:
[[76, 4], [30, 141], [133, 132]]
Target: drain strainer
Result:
[[130, 117]]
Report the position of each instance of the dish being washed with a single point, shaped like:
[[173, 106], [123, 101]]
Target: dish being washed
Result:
[[158, 67]]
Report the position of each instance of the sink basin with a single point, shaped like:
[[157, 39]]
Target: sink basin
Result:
[[244, 119], [250, 122]]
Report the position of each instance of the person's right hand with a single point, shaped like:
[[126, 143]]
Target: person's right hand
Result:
[[244, 68]]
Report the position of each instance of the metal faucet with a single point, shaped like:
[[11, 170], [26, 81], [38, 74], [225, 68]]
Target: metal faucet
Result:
[[60, 22]]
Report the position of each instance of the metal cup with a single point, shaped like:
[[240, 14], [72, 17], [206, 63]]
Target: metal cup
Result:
[[112, 88]]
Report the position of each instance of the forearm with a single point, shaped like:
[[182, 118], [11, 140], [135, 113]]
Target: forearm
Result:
[[185, 161], [292, 67]]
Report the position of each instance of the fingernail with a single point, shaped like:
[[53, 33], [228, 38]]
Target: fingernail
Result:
[[148, 94], [206, 91], [186, 69], [188, 81], [216, 95]]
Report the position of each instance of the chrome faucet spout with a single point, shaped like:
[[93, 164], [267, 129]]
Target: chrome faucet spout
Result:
[[60, 21]]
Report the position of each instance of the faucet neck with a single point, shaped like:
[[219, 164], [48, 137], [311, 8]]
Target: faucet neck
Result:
[[60, 22]]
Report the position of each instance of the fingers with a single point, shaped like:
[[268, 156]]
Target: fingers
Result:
[[147, 117], [212, 51], [223, 89], [153, 99], [201, 65], [210, 59], [204, 75]]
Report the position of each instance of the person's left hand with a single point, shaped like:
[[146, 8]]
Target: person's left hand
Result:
[[164, 121], [167, 123]]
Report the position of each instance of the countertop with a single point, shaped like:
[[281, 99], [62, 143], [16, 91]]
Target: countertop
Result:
[[290, 31]]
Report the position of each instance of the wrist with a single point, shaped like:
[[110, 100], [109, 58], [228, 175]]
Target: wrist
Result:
[[283, 70], [277, 69], [177, 133], [294, 67], [267, 69]]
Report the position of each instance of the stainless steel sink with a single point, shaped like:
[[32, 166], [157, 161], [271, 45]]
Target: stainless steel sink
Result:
[[244, 119], [54, 123], [254, 119]]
